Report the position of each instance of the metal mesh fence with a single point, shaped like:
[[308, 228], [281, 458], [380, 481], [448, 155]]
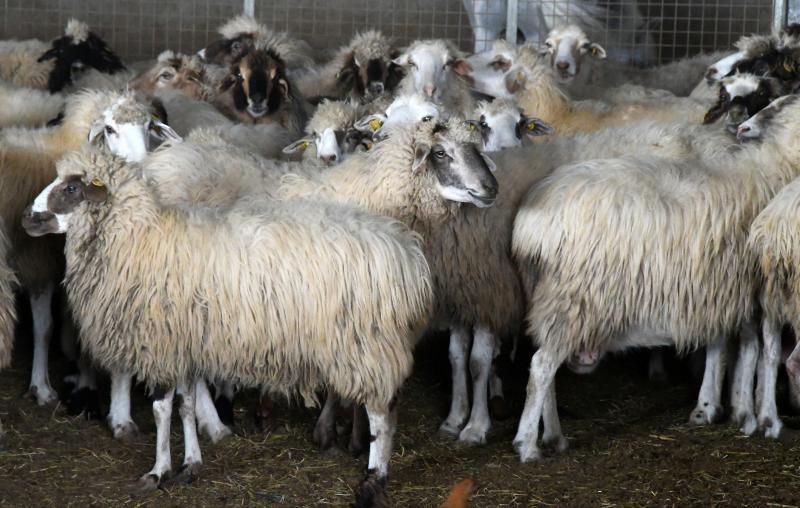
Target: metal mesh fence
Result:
[[659, 30]]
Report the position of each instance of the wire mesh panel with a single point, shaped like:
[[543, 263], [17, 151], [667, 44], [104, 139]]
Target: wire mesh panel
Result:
[[647, 31]]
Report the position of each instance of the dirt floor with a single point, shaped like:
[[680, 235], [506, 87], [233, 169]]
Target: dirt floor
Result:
[[629, 446]]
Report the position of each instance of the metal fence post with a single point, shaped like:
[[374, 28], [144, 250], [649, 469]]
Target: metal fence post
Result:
[[511, 21], [780, 13], [249, 8]]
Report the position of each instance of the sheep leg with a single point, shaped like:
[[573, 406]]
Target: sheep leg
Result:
[[743, 413], [480, 365], [656, 372], [542, 374], [709, 402], [768, 418], [793, 370], [459, 403], [42, 312], [359, 437], [324, 434], [552, 435], [119, 415], [208, 420], [192, 458], [223, 401], [84, 397], [382, 425], [162, 414]]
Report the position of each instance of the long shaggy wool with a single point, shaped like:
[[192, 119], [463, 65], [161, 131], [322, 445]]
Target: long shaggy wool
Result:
[[19, 66], [27, 107], [296, 53], [291, 297], [616, 248], [773, 244], [8, 316], [475, 283]]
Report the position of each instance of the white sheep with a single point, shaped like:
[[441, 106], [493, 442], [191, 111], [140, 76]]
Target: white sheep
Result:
[[503, 125], [8, 316], [627, 252], [331, 134], [345, 324], [436, 69], [403, 110], [576, 61]]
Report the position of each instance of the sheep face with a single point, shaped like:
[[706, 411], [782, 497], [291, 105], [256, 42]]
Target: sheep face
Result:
[[405, 110], [172, 73], [742, 96], [369, 78], [489, 70], [77, 49], [428, 65], [127, 129], [505, 128], [332, 145], [53, 207], [755, 127], [723, 68], [567, 47], [226, 51], [463, 174], [259, 83]]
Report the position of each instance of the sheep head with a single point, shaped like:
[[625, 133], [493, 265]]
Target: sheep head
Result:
[[568, 46], [742, 96], [258, 83]]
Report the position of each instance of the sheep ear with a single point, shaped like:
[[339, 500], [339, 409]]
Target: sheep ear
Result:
[[716, 112], [597, 51], [370, 123], [460, 66], [515, 81], [298, 146], [401, 60], [164, 132], [96, 191], [421, 152], [284, 86], [95, 132], [535, 127]]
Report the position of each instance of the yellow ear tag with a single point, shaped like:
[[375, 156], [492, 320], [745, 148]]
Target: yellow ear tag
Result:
[[98, 183], [471, 126], [368, 144], [531, 126], [594, 51], [375, 124], [788, 66], [304, 145], [520, 76]]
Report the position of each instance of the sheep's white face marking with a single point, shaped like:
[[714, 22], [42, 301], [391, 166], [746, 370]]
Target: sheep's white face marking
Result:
[[755, 127], [328, 146], [567, 46], [723, 67], [428, 65], [40, 205], [500, 130], [740, 85], [131, 140], [489, 71]]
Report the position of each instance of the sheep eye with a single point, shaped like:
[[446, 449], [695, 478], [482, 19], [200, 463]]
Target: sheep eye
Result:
[[71, 188], [166, 76], [548, 44], [412, 64], [483, 124], [427, 118], [236, 46], [110, 130], [440, 154]]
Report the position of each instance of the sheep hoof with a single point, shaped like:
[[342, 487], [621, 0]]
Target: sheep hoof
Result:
[[125, 431], [43, 395], [449, 431], [324, 436], [772, 427], [557, 443], [146, 484], [215, 434], [473, 435], [84, 401], [527, 452], [705, 415], [187, 474], [372, 492], [746, 421], [499, 409]]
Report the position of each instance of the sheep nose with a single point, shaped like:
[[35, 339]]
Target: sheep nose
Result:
[[430, 90], [742, 130], [562, 66], [376, 88], [328, 158]]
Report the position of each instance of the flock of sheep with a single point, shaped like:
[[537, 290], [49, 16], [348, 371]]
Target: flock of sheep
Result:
[[246, 217]]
